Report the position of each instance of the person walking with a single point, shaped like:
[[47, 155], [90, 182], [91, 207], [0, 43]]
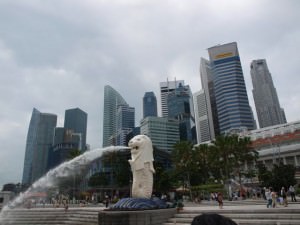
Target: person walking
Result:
[[268, 194], [274, 198], [284, 197], [220, 200], [292, 193]]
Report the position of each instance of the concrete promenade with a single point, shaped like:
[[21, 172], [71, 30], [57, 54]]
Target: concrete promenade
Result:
[[244, 212]]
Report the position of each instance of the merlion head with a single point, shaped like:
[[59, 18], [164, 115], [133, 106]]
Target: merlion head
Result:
[[141, 148]]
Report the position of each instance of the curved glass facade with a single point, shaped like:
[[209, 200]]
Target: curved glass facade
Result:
[[111, 101]]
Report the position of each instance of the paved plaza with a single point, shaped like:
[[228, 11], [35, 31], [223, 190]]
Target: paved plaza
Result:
[[244, 212]]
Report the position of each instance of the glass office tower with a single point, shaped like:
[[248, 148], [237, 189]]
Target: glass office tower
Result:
[[76, 120], [111, 101], [149, 104], [231, 97], [39, 141], [165, 89], [125, 123]]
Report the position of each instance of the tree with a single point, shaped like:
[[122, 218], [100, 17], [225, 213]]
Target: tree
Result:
[[243, 153], [183, 160], [119, 167], [98, 179], [264, 176], [163, 179], [203, 158], [74, 153], [280, 176], [223, 150], [232, 152]]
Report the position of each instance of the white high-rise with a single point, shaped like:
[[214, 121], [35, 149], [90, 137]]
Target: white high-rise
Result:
[[205, 107], [201, 117]]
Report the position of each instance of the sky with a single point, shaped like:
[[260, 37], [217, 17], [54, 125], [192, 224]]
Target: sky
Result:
[[59, 54]]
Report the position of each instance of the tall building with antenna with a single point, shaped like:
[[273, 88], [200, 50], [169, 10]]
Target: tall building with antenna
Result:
[[266, 101]]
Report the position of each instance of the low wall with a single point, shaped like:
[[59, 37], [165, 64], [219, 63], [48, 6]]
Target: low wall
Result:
[[144, 217]]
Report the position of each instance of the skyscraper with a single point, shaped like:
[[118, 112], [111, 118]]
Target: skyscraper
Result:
[[179, 107], [125, 123], [206, 105], [76, 120], [163, 131], [149, 104], [266, 101], [39, 140], [111, 101], [165, 89], [201, 117], [231, 97], [64, 142]]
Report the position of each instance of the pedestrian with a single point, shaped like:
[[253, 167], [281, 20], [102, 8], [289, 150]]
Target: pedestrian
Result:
[[212, 219], [292, 193], [106, 201], [284, 197], [268, 194], [273, 196], [65, 203], [220, 200]]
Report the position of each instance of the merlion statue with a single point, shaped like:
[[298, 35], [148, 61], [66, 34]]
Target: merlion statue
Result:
[[141, 163]]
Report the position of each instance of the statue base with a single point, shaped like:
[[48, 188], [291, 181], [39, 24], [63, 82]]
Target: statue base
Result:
[[139, 204], [140, 217]]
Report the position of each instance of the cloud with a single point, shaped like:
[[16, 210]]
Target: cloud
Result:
[[56, 55]]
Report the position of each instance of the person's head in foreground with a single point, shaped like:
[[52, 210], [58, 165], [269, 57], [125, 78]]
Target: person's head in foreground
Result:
[[212, 219]]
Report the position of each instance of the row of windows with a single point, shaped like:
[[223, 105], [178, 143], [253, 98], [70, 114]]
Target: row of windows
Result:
[[233, 71], [226, 60], [234, 106]]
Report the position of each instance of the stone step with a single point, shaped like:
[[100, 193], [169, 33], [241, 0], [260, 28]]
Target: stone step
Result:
[[274, 216], [293, 216], [249, 222], [50, 216]]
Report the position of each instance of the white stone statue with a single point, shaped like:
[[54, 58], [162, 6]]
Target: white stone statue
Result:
[[141, 163]]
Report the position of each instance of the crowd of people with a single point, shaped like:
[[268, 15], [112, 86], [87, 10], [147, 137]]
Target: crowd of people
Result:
[[281, 197]]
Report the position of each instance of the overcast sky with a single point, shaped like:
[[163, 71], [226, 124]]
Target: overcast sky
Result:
[[59, 54]]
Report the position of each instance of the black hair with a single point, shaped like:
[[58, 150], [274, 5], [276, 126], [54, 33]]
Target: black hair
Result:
[[212, 219]]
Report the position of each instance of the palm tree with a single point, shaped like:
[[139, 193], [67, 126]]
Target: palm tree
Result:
[[183, 159], [203, 158]]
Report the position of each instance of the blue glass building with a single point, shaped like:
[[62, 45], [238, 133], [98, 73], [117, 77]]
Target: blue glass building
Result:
[[39, 141], [179, 108], [76, 121], [125, 123], [231, 97], [149, 104]]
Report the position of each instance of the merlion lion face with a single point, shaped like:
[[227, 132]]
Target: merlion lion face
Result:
[[138, 144], [141, 146]]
